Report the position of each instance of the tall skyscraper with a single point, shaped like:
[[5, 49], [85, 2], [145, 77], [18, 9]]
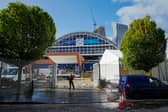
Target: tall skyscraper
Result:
[[118, 31], [100, 30]]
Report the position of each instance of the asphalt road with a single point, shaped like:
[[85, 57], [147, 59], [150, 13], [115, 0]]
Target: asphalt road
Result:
[[86, 107]]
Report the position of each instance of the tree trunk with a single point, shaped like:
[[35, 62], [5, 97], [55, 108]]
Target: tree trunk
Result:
[[19, 81]]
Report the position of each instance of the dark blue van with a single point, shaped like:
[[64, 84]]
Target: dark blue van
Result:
[[142, 86]]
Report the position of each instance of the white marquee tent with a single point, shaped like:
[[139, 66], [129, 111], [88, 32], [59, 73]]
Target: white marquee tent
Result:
[[109, 65]]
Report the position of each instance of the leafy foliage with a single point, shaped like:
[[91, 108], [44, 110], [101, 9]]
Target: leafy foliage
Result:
[[102, 83], [143, 45], [25, 33]]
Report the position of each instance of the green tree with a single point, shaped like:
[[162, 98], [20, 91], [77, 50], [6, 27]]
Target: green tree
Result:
[[25, 33], [143, 45]]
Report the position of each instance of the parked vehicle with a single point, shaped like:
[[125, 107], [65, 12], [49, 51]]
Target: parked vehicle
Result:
[[11, 73], [141, 86]]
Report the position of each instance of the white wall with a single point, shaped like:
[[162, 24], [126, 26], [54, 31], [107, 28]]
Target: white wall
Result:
[[109, 66], [44, 71], [110, 72], [96, 75]]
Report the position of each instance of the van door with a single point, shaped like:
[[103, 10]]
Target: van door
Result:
[[155, 87], [147, 88]]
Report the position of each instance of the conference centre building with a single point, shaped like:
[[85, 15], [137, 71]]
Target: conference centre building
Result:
[[91, 45]]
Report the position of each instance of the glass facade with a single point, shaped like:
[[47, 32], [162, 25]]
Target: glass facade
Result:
[[118, 32], [80, 40], [84, 50], [90, 45], [84, 42]]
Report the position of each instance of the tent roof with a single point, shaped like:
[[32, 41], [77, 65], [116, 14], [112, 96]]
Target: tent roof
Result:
[[66, 58], [44, 61], [110, 56]]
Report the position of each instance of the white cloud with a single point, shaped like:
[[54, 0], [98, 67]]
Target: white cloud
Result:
[[157, 9]]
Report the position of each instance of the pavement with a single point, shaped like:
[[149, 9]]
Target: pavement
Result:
[[59, 100], [83, 93], [78, 100], [83, 99], [61, 96], [80, 83]]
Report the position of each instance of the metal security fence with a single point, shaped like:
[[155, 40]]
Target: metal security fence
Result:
[[161, 71]]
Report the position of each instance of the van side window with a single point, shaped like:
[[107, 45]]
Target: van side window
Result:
[[154, 81], [150, 80]]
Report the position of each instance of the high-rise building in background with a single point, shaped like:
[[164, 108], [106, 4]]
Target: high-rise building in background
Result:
[[118, 31], [100, 30]]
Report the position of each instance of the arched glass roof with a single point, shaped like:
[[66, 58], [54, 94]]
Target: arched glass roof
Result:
[[82, 39]]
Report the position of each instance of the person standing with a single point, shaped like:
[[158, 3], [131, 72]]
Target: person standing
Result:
[[71, 83]]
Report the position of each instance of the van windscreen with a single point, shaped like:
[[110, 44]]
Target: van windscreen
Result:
[[10, 71]]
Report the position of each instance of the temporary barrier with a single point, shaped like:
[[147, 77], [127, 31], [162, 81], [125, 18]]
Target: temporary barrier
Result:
[[122, 100]]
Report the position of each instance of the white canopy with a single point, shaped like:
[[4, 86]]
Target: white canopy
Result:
[[109, 66], [64, 59], [111, 57]]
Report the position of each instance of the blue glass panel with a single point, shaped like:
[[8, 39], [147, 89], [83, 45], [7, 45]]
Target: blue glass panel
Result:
[[85, 37], [68, 42], [61, 66], [41, 65], [88, 67], [91, 41]]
